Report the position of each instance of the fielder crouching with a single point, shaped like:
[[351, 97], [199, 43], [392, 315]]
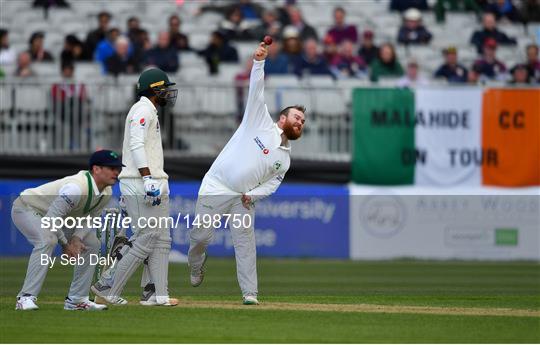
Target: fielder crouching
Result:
[[83, 194]]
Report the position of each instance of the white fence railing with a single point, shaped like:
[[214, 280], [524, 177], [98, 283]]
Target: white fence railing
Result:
[[60, 118]]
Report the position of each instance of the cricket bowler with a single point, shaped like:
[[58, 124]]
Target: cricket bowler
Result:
[[33, 213], [250, 167], [145, 191]]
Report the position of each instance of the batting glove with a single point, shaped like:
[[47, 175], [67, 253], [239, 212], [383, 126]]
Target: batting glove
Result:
[[152, 190]]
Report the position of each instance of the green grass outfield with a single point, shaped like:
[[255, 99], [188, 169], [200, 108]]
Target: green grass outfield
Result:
[[301, 301]]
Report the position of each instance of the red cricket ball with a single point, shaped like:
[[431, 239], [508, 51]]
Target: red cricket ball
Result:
[[267, 40]]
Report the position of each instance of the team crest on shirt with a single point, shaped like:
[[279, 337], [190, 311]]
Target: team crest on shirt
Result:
[[261, 145], [277, 165], [142, 122]]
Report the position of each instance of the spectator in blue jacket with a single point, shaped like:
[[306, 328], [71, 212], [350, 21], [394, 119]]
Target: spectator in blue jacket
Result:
[[451, 70], [276, 62], [403, 5], [311, 62], [413, 31], [218, 50], [122, 62], [490, 31], [504, 9], [163, 55], [105, 47]]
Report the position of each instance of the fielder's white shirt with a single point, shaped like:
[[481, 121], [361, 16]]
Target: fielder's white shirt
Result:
[[253, 162], [68, 197], [142, 145]]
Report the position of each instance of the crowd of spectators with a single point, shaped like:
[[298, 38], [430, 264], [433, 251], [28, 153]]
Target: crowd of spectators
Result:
[[343, 52]]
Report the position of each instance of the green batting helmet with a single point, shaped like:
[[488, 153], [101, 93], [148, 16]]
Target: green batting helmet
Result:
[[156, 80]]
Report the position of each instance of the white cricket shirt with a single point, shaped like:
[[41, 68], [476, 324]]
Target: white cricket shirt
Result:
[[142, 131], [253, 162]]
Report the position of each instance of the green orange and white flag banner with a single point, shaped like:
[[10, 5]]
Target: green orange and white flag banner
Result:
[[459, 136], [448, 136]]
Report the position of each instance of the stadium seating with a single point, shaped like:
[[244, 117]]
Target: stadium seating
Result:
[[328, 101]]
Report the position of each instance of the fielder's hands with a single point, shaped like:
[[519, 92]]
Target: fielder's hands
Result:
[[74, 247], [261, 52], [152, 189], [246, 201]]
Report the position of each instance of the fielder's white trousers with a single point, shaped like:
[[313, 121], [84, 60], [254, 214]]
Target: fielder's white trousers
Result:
[[215, 199], [28, 221]]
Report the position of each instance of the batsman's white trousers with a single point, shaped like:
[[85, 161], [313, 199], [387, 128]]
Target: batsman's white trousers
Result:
[[28, 221], [132, 190], [243, 238]]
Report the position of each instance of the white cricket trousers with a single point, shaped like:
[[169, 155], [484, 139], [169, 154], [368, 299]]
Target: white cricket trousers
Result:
[[28, 221], [243, 238], [141, 213]]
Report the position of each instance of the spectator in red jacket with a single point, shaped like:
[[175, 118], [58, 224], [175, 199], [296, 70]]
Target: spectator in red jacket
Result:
[[341, 31], [330, 50], [348, 65], [368, 50], [489, 66], [70, 102]]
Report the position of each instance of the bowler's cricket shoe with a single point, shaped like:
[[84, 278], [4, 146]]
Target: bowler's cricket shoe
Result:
[[26, 302], [148, 298], [83, 305], [250, 300], [102, 291], [197, 275]]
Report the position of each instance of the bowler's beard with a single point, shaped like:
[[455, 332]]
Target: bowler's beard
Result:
[[290, 132]]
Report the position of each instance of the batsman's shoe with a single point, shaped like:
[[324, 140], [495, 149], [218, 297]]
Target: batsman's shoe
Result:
[[250, 300], [197, 276], [83, 305], [102, 291], [26, 303], [152, 301], [148, 298]]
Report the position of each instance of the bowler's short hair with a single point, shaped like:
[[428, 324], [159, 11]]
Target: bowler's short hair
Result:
[[297, 107]]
